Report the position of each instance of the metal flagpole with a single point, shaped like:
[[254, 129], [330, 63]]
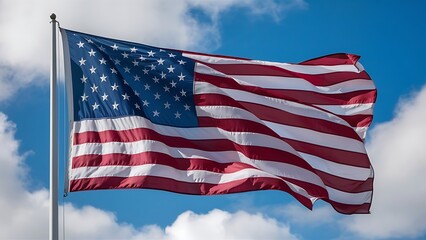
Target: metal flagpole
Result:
[[53, 206]]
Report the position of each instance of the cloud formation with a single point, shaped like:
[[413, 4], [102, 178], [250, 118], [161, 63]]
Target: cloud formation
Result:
[[25, 44], [397, 150]]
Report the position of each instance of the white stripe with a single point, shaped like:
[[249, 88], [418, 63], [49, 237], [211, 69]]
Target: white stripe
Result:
[[349, 198], [318, 138], [274, 82], [275, 168], [350, 109], [305, 69], [361, 131], [157, 170], [338, 169]]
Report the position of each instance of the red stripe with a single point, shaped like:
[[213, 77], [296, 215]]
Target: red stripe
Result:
[[360, 120], [333, 59], [344, 184], [325, 79], [331, 154], [121, 159], [162, 183], [350, 209]]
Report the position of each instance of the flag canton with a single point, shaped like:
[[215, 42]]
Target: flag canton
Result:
[[113, 78]]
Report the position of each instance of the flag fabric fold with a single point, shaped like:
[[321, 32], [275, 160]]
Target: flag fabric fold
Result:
[[194, 123]]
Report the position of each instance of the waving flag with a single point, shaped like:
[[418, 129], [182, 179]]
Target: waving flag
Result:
[[193, 123]]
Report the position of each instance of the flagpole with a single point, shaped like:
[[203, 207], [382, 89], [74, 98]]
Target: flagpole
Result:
[[53, 206]]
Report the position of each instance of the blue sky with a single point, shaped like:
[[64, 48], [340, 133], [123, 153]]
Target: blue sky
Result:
[[388, 35]]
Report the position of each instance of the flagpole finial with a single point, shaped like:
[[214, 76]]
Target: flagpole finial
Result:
[[53, 16]]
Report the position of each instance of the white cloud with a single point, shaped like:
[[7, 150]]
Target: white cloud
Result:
[[219, 224], [397, 151], [300, 215], [25, 31], [24, 213]]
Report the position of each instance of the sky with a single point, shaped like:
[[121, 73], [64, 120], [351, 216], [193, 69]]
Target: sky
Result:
[[389, 36]]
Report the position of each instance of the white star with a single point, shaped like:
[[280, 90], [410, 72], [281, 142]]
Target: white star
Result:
[[142, 58], [187, 107], [136, 77], [183, 93], [102, 48], [137, 106], [117, 62], [173, 83], [157, 96], [160, 61], [114, 47], [80, 44], [145, 71], [133, 49], [92, 69], [167, 105], [103, 78], [152, 67], [147, 87], [156, 113], [125, 55], [166, 89], [114, 87], [163, 75], [115, 105], [181, 77], [83, 79], [89, 40], [135, 63], [95, 106], [151, 53], [177, 98], [104, 97], [136, 93], [177, 114], [127, 70], [82, 61], [84, 97], [125, 96], [156, 79], [171, 69], [102, 61], [94, 88], [92, 53], [161, 50], [113, 70], [171, 55], [145, 103], [181, 62]]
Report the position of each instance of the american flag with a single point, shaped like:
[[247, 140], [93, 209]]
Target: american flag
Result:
[[194, 123]]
